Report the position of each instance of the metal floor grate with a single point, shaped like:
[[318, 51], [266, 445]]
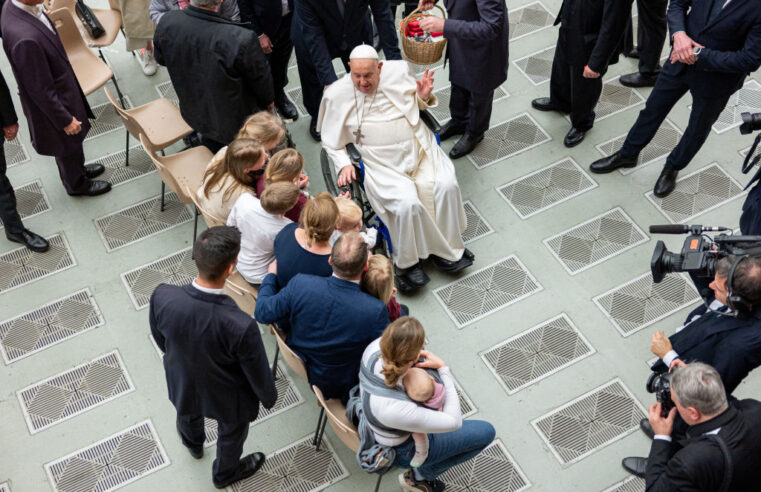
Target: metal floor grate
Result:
[[590, 422], [665, 139], [492, 470], [176, 269], [747, 99], [117, 173], [614, 99], [166, 89], [547, 187], [141, 221], [106, 120], [441, 111], [20, 266], [297, 467], [31, 200], [77, 390], [477, 225], [640, 302], [15, 152], [537, 67], [537, 353], [467, 408], [50, 324], [487, 290], [529, 19], [111, 463], [595, 240], [696, 193], [297, 99], [631, 484], [508, 139]]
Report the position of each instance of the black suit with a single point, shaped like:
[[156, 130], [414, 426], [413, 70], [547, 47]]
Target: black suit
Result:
[[217, 88], [591, 34], [8, 213], [697, 462], [732, 40], [651, 34], [478, 33], [320, 33], [215, 367]]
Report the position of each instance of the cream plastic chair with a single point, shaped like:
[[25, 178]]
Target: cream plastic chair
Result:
[[289, 356], [110, 19], [243, 293]]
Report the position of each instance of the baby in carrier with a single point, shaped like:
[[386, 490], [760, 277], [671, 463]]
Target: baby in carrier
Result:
[[421, 387]]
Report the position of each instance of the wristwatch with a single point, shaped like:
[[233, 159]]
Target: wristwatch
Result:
[[696, 50]]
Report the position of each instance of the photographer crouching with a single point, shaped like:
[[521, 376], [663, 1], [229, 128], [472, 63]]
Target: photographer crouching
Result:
[[721, 448]]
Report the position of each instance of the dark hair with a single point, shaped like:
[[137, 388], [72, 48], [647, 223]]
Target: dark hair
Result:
[[349, 255], [215, 250], [240, 154], [746, 280]]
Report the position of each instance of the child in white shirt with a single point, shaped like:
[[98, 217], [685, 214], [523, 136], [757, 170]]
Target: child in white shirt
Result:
[[350, 219]]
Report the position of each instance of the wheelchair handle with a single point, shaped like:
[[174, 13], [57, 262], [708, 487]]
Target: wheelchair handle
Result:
[[354, 154]]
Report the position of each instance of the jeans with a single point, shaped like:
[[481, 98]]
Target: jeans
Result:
[[447, 449]]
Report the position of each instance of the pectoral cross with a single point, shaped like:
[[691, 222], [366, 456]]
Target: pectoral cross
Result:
[[358, 136]]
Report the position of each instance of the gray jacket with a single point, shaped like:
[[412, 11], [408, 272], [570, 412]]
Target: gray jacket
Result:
[[228, 9]]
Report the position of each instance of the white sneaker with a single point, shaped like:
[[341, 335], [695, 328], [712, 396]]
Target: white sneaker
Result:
[[148, 62]]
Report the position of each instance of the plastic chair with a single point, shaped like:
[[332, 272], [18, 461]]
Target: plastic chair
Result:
[[243, 293], [110, 19], [289, 356]]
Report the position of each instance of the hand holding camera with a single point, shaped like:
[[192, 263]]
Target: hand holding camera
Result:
[[661, 422]]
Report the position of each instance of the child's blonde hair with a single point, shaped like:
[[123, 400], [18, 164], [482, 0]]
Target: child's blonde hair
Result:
[[285, 165], [349, 213], [378, 279], [278, 198]]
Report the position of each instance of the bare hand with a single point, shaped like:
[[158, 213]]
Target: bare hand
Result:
[[431, 361], [345, 194], [661, 426], [272, 268], [271, 106], [10, 131], [424, 5], [660, 345], [676, 363], [303, 181], [589, 73], [266, 44], [74, 127], [682, 50], [346, 175], [432, 24], [425, 85]]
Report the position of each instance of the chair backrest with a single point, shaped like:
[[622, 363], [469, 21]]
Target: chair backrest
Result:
[[71, 38], [166, 176], [335, 410], [61, 4], [243, 293], [130, 123], [294, 361], [210, 219]]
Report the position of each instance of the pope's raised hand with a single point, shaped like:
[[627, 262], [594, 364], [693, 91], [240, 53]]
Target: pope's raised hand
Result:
[[425, 85]]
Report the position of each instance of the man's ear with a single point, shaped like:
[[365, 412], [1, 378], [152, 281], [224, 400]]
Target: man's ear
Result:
[[330, 260], [380, 65], [231, 268]]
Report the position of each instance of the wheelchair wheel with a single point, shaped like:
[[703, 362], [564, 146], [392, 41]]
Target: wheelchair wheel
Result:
[[328, 173]]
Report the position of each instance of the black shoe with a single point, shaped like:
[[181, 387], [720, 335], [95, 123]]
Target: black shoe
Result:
[[286, 108], [94, 170], [451, 266], [450, 129], [638, 79], [666, 182], [635, 465], [33, 241], [611, 163], [546, 104], [408, 482], [634, 53], [414, 276], [313, 130], [96, 188], [465, 145], [644, 424], [574, 137], [468, 254], [248, 466], [196, 453]]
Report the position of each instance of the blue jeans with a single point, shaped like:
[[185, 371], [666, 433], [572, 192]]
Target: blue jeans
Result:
[[448, 449]]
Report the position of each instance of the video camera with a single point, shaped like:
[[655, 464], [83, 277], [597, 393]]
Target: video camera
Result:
[[751, 122]]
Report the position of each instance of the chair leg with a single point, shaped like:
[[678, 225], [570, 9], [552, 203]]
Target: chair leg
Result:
[[380, 477], [126, 151], [274, 362], [195, 224], [118, 91], [317, 430], [324, 423], [163, 192]]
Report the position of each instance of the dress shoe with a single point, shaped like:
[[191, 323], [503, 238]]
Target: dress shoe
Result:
[[644, 424], [611, 163], [468, 254], [638, 79], [666, 182], [414, 276], [451, 266], [96, 188], [94, 170], [546, 104], [634, 53], [248, 466], [574, 137], [635, 465], [450, 129], [196, 453], [33, 241], [465, 145], [313, 130], [286, 108]]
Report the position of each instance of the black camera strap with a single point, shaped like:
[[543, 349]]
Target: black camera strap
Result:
[[748, 163], [726, 480]]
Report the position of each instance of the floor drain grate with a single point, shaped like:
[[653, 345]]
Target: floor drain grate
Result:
[[631, 484], [492, 470], [21, 266], [31, 200], [441, 111], [590, 422], [487, 290], [614, 99], [746, 100], [166, 89], [665, 139], [537, 67], [529, 19], [537, 353], [467, 408], [175, 269], [117, 173], [297, 98], [640, 302], [15, 153], [106, 120], [477, 225], [507, 139]]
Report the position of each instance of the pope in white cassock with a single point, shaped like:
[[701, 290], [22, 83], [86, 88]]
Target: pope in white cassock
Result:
[[409, 180]]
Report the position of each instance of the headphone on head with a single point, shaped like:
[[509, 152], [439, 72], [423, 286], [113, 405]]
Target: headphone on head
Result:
[[737, 302]]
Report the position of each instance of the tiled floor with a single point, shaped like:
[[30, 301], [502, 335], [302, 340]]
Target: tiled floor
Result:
[[547, 334]]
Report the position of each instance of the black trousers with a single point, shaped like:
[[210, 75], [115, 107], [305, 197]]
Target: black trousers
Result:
[[231, 437], [210, 144], [667, 91], [282, 47], [571, 92], [651, 34], [311, 88], [471, 109], [8, 213], [71, 168]]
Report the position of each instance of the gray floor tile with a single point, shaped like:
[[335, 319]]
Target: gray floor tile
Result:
[[590, 422], [529, 19], [166, 89], [595, 240], [508, 139], [21, 266], [15, 153], [110, 463], [537, 67], [117, 173], [77, 390], [746, 100], [106, 119], [467, 408], [31, 200], [665, 139], [493, 470], [696, 193], [631, 484], [175, 269], [441, 111], [477, 225], [537, 353]]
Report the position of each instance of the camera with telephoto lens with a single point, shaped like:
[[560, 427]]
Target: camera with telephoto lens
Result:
[[751, 123], [660, 385]]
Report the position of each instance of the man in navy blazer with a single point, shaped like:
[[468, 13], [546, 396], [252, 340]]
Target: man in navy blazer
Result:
[[332, 320], [214, 358], [715, 45]]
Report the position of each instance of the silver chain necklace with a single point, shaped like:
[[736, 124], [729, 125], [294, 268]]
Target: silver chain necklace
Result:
[[358, 134]]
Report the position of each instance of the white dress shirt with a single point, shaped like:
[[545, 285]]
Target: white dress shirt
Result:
[[218, 292], [36, 11]]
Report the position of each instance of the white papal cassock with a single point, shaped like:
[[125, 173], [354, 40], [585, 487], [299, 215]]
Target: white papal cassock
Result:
[[409, 180]]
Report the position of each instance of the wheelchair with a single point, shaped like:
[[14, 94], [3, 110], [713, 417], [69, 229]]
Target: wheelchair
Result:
[[383, 245]]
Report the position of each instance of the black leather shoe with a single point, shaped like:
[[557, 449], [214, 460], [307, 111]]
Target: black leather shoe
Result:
[[96, 188], [94, 170], [248, 466], [546, 104], [574, 137], [286, 108], [414, 276], [644, 424], [469, 254], [33, 241], [611, 163], [465, 145], [635, 465], [196, 453], [666, 182], [313, 130], [637, 79], [634, 53], [451, 266], [450, 129]]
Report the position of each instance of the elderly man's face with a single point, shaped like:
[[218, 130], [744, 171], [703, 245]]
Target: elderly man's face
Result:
[[365, 73], [719, 287]]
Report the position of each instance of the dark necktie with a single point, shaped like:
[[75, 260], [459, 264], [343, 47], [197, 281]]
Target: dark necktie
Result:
[[716, 9]]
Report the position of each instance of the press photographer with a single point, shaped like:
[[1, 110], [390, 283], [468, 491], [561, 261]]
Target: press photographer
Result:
[[750, 220]]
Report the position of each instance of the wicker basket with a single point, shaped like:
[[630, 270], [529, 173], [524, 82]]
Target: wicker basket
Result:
[[421, 53]]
